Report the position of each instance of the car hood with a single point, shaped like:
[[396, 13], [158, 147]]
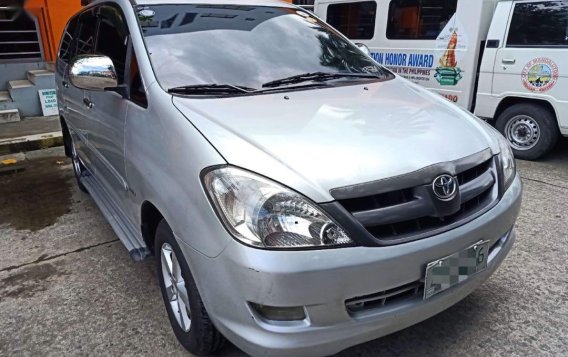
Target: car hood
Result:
[[317, 140]]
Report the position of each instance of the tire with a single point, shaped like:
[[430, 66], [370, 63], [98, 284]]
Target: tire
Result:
[[78, 167], [532, 130], [199, 336]]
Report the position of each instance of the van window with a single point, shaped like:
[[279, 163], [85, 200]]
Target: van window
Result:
[[112, 38], [65, 50], [539, 24], [356, 20], [87, 32], [306, 4], [137, 91], [419, 19], [203, 45]]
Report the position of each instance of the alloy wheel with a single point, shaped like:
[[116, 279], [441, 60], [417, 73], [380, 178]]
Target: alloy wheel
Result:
[[175, 287]]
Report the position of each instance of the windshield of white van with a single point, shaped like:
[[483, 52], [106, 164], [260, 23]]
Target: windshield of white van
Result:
[[236, 48]]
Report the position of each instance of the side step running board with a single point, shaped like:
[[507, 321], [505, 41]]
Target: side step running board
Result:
[[136, 248]]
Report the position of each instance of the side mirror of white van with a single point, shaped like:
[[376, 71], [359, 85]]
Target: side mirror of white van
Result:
[[364, 48]]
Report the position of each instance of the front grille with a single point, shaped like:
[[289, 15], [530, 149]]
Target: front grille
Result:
[[385, 298], [474, 172], [427, 223], [415, 212]]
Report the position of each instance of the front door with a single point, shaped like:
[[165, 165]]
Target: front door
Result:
[[78, 39], [534, 60], [108, 108]]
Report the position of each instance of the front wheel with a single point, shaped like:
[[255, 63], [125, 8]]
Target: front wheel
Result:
[[186, 312], [531, 130]]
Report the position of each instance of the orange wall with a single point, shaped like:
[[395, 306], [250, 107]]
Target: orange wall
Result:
[[52, 16]]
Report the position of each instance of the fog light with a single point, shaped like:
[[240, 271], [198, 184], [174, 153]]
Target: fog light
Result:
[[274, 313]]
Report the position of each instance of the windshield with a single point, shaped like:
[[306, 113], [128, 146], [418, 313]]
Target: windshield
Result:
[[245, 46]]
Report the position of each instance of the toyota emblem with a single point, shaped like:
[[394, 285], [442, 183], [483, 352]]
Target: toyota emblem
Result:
[[445, 187]]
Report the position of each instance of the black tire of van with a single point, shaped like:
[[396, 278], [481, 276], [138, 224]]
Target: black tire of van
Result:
[[537, 118], [202, 339]]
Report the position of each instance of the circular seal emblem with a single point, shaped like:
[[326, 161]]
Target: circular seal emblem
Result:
[[540, 74]]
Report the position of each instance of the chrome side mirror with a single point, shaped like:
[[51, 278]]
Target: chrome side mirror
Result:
[[364, 48], [93, 72]]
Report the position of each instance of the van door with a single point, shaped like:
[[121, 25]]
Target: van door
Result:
[[76, 112], [63, 58], [137, 108], [108, 108], [533, 63]]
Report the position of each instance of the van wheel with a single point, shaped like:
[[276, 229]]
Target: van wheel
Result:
[[186, 312], [78, 167], [531, 129]]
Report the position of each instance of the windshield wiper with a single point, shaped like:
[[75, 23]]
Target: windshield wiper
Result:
[[204, 89], [315, 76]]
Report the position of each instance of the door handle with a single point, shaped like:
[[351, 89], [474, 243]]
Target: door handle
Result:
[[508, 61], [65, 84], [88, 103]]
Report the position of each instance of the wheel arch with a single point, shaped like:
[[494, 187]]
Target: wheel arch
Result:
[[545, 119], [508, 102], [150, 217], [66, 136]]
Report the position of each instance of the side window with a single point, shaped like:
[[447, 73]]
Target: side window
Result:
[[85, 43], [65, 49], [112, 38], [419, 19], [539, 24], [137, 92], [356, 20]]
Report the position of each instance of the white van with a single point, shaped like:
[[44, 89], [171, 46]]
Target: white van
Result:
[[502, 60]]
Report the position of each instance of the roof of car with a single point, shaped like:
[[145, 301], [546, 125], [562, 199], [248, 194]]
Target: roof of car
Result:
[[215, 2]]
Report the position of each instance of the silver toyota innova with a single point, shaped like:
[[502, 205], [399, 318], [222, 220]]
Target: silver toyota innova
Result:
[[298, 197]]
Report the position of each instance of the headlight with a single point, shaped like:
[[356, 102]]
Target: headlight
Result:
[[265, 214], [507, 162]]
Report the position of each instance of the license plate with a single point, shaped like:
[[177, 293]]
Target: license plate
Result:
[[444, 273]]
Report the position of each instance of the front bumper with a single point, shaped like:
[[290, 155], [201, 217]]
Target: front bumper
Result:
[[322, 280]]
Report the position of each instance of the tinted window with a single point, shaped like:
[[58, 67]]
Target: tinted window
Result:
[[419, 19], [137, 91], [112, 38], [355, 20], [539, 24], [244, 45], [65, 50], [87, 31]]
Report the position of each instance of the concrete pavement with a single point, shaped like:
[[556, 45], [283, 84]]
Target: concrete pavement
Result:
[[67, 285], [32, 133]]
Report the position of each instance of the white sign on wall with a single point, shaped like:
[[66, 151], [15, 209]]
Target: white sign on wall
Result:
[[48, 99]]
